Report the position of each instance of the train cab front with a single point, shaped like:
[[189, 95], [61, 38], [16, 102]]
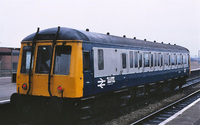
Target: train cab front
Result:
[[50, 70]]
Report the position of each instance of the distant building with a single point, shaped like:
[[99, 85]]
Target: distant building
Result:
[[199, 54], [8, 60]]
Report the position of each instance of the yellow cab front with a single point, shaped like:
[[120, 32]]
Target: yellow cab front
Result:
[[65, 76]]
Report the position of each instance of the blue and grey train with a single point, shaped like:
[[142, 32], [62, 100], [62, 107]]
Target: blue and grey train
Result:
[[76, 64]]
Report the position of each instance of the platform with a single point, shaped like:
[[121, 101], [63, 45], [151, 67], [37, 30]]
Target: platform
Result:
[[7, 88], [189, 115]]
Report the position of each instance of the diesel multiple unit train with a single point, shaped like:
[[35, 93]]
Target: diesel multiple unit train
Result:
[[79, 65]]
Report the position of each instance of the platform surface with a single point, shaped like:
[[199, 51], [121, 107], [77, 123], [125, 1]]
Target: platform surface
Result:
[[6, 88], [190, 115]]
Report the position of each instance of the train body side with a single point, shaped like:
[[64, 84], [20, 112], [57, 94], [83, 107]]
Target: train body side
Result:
[[114, 77]]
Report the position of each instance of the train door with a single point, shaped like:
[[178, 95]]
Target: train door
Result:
[[56, 69], [124, 62], [87, 72], [105, 68], [133, 62], [42, 66]]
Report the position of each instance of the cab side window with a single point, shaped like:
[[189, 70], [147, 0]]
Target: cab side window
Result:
[[86, 61]]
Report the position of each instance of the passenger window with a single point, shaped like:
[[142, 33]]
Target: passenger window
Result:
[[151, 60], [146, 59], [140, 59], [172, 59], [155, 60], [100, 59], [131, 59], [136, 59], [175, 56], [184, 59], [123, 60], [166, 59], [179, 59], [161, 60], [86, 61]]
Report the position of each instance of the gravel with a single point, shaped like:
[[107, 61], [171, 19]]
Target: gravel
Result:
[[152, 106]]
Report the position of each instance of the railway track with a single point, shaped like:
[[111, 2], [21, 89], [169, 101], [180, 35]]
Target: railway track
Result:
[[164, 113], [5, 102], [160, 116]]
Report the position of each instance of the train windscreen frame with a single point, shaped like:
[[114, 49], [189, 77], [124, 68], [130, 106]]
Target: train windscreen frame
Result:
[[43, 59], [26, 59], [62, 60]]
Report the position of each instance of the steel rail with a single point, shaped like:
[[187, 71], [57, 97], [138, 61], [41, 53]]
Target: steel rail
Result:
[[191, 79], [5, 101], [195, 69]]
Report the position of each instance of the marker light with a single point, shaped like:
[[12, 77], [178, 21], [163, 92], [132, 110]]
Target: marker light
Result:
[[24, 86], [60, 88]]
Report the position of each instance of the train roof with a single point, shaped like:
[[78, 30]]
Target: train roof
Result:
[[85, 36]]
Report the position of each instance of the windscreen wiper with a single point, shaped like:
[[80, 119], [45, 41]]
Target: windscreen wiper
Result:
[[32, 53], [51, 59]]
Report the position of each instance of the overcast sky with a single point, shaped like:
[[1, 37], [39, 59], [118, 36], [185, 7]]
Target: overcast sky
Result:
[[168, 21]]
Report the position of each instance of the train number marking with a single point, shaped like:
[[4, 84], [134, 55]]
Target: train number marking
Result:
[[110, 80], [102, 84]]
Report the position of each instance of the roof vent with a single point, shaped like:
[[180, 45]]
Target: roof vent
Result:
[[174, 44], [169, 43], [162, 42], [87, 30], [145, 40], [134, 37], [124, 36], [108, 33], [154, 41]]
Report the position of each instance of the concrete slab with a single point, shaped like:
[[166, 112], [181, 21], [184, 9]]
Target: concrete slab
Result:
[[190, 115], [6, 88]]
